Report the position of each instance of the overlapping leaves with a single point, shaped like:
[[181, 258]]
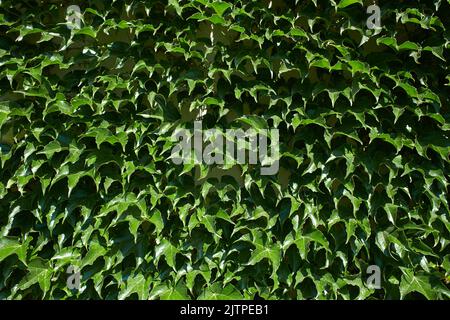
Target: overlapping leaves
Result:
[[86, 117]]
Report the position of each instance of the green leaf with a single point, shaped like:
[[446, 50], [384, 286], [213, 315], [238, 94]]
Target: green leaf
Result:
[[38, 272], [345, 3], [136, 284], [420, 283], [167, 250], [96, 250], [220, 7], [10, 246], [88, 31], [217, 292], [165, 292]]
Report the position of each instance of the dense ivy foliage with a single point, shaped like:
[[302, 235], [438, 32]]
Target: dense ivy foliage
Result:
[[87, 114]]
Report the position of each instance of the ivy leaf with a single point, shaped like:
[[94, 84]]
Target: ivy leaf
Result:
[[217, 292], [345, 3], [136, 284], [420, 283], [220, 7], [10, 246], [167, 250], [38, 272], [96, 250], [165, 292]]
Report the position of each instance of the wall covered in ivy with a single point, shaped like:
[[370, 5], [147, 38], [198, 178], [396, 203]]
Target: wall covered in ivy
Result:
[[89, 102]]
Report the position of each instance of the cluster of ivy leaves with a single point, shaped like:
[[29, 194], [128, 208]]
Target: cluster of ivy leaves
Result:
[[86, 117]]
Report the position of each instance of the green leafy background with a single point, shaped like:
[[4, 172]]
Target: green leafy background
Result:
[[86, 117]]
